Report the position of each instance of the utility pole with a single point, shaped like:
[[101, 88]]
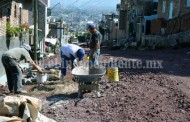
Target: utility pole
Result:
[[61, 30], [35, 29]]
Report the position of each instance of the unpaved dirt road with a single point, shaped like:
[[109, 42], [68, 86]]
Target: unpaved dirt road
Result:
[[161, 93], [143, 94]]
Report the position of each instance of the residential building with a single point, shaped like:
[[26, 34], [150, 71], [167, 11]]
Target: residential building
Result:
[[173, 24], [176, 12], [13, 13]]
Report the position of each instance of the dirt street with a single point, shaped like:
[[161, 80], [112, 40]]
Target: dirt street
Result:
[[146, 92]]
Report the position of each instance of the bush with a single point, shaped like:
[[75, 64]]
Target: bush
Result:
[[11, 31]]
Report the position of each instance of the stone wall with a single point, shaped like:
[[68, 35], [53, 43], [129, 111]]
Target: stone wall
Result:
[[166, 41]]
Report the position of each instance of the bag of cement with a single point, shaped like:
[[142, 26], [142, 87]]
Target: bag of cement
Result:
[[30, 113], [42, 118], [10, 119], [10, 104], [34, 102]]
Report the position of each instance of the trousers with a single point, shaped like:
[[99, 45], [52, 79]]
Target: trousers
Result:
[[95, 60], [65, 62], [13, 73]]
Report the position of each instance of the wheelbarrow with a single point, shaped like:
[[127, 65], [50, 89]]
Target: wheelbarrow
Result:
[[88, 78]]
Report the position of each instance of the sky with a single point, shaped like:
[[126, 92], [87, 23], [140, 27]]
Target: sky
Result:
[[83, 4]]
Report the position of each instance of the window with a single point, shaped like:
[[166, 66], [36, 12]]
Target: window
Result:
[[164, 7], [15, 11], [1, 13], [171, 10], [20, 16], [8, 12], [155, 7], [188, 3]]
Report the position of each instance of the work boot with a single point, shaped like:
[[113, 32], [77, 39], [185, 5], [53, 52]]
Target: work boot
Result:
[[21, 92], [62, 78]]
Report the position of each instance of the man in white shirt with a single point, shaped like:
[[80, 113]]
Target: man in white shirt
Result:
[[70, 52]]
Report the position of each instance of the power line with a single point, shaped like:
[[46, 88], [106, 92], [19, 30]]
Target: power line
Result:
[[72, 4], [78, 3]]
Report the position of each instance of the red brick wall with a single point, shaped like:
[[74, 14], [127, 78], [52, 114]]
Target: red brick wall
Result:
[[25, 16], [176, 5], [156, 26], [15, 19], [179, 24]]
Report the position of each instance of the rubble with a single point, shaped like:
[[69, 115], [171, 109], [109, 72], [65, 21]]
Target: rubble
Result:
[[25, 107]]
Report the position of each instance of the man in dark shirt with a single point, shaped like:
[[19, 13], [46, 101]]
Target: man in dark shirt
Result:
[[95, 41], [10, 60]]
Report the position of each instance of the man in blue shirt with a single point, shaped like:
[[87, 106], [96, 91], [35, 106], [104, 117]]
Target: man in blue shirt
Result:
[[95, 41]]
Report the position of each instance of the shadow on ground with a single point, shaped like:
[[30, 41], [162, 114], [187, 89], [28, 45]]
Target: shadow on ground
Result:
[[59, 97]]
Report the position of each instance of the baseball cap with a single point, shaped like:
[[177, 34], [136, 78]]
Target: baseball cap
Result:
[[91, 26], [26, 46], [80, 54]]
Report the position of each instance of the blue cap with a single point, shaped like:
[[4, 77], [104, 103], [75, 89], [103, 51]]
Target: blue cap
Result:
[[91, 26], [80, 54]]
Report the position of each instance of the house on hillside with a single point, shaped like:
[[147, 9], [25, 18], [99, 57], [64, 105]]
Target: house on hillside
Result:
[[155, 23], [139, 14], [177, 14], [14, 14], [111, 32], [172, 27], [19, 14]]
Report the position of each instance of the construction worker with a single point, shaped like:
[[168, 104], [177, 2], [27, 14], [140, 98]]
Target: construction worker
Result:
[[70, 52], [95, 41], [10, 60]]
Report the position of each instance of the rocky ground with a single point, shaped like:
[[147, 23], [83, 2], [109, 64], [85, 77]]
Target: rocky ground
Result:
[[143, 94]]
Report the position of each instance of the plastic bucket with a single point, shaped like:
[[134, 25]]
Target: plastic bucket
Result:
[[87, 58], [41, 78], [112, 74]]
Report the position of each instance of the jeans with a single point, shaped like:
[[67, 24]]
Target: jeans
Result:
[[13, 73], [94, 61], [64, 63]]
